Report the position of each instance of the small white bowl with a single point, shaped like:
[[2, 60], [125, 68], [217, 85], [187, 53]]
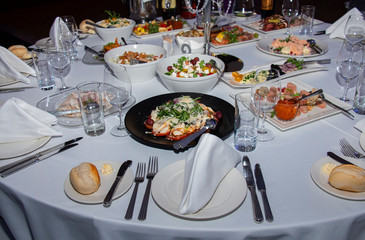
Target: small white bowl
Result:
[[140, 72], [196, 44], [197, 84], [109, 34]]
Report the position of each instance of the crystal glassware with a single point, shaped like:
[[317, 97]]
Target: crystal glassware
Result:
[[355, 29], [69, 35], [290, 9], [58, 59]]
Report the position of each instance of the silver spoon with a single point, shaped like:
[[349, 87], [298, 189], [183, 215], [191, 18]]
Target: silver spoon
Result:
[[209, 124], [100, 54]]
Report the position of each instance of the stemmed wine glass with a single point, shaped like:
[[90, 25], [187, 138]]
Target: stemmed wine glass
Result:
[[68, 35], [290, 9], [348, 64], [265, 94], [355, 29], [118, 90], [58, 59]]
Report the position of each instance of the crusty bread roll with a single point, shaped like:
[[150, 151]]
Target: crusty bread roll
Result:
[[348, 177], [20, 51], [85, 178], [86, 28]]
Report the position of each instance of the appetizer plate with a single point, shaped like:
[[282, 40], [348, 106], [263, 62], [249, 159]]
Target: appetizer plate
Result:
[[136, 116], [92, 58], [257, 27], [321, 179], [15, 149], [172, 32], [313, 67], [106, 182], [167, 190], [217, 46], [264, 45]]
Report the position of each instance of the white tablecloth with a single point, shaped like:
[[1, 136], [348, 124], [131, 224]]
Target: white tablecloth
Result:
[[34, 205]]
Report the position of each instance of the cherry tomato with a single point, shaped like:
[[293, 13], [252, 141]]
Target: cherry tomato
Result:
[[150, 122], [196, 59], [219, 115], [209, 65], [169, 68], [193, 62]]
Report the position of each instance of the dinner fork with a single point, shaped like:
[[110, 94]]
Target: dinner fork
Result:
[[140, 173], [348, 150], [152, 170]]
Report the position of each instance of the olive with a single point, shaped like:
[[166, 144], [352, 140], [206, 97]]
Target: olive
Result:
[[150, 122], [219, 115], [209, 65], [196, 59], [193, 62]]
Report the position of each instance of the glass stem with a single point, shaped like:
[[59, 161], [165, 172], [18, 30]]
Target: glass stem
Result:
[[62, 81], [344, 97], [262, 129], [121, 119]]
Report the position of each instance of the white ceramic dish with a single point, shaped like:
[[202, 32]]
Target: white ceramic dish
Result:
[[198, 84], [264, 45], [167, 189], [109, 34], [172, 32], [321, 179], [10, 150], [229, 79], [106, 182], [138, 72]]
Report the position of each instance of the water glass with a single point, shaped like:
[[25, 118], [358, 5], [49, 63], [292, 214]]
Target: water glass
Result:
[[45, 78], [244, 8], [91, 106], [307, 16], [359, 100], [245, 123]]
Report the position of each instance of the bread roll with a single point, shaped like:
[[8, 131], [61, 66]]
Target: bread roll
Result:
[[86, 28], [85, 178], [348, 177], [20, 51]]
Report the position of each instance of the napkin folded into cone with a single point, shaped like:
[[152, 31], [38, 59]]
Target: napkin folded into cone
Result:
[[20, 121], [54, 33], [337, 29], [205, 167], [13, 67]]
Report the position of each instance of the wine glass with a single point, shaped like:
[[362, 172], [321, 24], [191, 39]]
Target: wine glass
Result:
[[290, 9], [265, 94], [118, 90], [348, 64], [355, 29], [58, 59], [68, 35]]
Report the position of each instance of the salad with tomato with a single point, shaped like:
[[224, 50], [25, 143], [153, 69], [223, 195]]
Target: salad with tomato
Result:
[[191, 68]]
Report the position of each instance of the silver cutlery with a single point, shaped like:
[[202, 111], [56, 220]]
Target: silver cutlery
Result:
[[247, 172], [140, 173], [210, 124], [152, 170], [348, 150], [8, 90], [22, 163], [346, 112], [320, 32], [338, 158], [314, 46], [262, 188], [109, 196], [135, 61], [320, 61], [99, 53]]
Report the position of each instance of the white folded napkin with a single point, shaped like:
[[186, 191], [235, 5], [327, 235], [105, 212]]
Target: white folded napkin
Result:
[[12, 67], [337, 29], [205, 167], [54, 33], [20, 121], [360, 125]]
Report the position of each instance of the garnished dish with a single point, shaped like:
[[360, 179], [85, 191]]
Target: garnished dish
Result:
[[114, 20], [129, 55], [154, 27], [191, 68], [275, 22], [179, 118], [291, 46]]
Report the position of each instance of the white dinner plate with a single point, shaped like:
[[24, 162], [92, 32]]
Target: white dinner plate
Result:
[[167, 189], [106, 182], [229, 79], [321, 179], [236, 43], [264, 45], [15, 149], [362, 140]]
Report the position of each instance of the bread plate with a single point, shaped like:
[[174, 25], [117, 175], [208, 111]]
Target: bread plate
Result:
[[321, 179], [106, 182]]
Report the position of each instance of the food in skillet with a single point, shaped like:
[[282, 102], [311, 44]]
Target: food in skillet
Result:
[[231, 34], [179, 118], [291, 46], [158, 26], [191, 68]]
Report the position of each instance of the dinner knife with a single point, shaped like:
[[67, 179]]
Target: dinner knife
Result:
[[247, 172], [346, 112], [262, 188], [338, 158], [109, 196], [320, 61], [41, 154], [34, 160]]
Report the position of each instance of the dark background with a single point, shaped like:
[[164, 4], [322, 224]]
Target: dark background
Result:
[[24, 22]]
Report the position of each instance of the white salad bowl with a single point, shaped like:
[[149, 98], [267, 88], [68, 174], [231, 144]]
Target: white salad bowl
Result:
[[109, 34], [198, 84], [139, 72]]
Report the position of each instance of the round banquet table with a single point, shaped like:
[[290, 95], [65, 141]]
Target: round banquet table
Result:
[[33, 203]]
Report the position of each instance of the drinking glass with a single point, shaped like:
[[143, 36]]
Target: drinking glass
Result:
[[69, 34], [118, 90], [58, 60], [348, 64], [290, 9], [265, 95], [355, 29]]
